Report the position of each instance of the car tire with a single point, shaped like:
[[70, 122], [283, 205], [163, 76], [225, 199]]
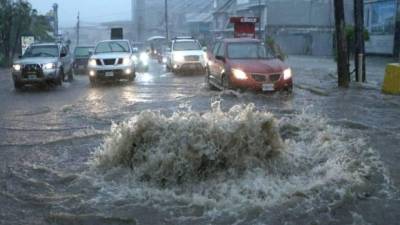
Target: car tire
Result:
[[59, 80], [18, 86], [209, 84], [131, 78], [93, 82], [226, 84], [70, 75]]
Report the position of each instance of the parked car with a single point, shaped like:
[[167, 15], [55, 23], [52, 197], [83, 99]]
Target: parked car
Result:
[[44, 63], [112, 60], [141, 60], [247, 64], [81, 58], [186, 55]]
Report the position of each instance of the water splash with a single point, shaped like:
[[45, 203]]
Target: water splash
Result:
[[234, 161]]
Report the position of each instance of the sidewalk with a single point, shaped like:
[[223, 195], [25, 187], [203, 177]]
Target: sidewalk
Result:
[[322, 66]]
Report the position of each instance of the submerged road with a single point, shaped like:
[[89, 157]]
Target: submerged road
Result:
[[167, 150]]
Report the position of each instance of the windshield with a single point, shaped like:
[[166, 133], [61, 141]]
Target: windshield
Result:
[[82, 51], [112, 46], [186, 46], [42, 51], [248, 51]]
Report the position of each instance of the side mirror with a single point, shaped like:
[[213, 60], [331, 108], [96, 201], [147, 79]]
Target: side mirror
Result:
[[91, 52], [205, 49], [20, 57], [62, 55], [221, 58]]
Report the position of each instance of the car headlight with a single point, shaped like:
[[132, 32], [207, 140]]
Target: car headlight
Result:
[[144, 57], [17, 67], [179, 57], [126, 61], [49, 66], [239, 74], [92, 62], [287, 74]]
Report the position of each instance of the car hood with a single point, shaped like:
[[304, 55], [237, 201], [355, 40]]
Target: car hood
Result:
[[263, 66], [112, 55], [36, 60], [187, 53]]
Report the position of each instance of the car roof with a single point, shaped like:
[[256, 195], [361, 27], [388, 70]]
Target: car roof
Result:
[[123, 40], [45, 44], [85, 46], [240, 40], [185, 40]]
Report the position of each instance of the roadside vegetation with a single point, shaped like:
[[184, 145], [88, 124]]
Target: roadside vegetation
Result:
[[18, 18]]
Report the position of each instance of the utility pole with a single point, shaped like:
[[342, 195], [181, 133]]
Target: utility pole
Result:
[[260, 15], [78, 26], [359, 53], [55, 12], [341, 45], [396, 49], [166, 21]]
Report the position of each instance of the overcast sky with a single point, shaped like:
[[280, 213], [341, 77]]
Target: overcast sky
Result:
[[90, 10]]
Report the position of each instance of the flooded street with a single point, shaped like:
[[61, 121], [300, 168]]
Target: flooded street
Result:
[[167, 150]]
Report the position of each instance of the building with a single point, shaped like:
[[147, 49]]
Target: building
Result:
[[380, 18], [149, 17], [304, 27]]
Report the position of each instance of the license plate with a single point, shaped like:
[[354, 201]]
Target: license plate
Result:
[[109, 74], [268, 87], [32, 77]]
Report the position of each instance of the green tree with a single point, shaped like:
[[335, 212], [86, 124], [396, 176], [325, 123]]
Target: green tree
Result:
[[18, 18]]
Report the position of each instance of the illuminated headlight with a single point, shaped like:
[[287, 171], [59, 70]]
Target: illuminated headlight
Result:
[[49, 66], [144, 57], [17, 67], [92, 73], [164, 60], [128, 71], [239, 74], [287, 74], [92, 62], [126, 61], [179, 58]]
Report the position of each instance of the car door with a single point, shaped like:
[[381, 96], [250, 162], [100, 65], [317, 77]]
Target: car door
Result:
[[212, 59], [63, 59], [219, 64]]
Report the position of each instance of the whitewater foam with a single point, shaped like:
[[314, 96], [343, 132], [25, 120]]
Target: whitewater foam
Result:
[[232, 161]]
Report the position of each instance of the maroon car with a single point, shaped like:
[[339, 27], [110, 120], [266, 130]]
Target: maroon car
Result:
[[247, 64]]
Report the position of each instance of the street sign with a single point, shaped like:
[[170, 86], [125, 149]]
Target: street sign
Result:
[[245, 27], [26, 41], [117, 33]]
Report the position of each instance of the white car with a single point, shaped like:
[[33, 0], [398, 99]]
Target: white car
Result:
[[186, 55], [112, 60]]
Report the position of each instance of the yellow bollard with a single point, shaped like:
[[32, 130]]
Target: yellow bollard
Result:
[[391, 85]]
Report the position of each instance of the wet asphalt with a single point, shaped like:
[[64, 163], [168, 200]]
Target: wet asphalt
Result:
[[48, 136]]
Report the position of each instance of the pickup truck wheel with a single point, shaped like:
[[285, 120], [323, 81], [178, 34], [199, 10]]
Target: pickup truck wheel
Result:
[[131, 77], [70, 76], [18, 86], [93, 82]]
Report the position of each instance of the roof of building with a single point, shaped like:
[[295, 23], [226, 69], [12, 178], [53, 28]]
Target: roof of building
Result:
[[199, 17]]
